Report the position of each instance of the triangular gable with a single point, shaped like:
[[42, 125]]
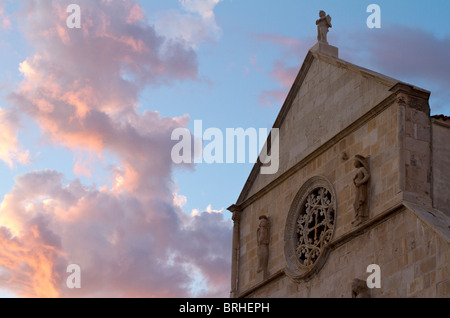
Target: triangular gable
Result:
[[325, 89]]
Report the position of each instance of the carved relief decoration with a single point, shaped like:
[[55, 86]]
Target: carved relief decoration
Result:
[[361, 182], [309, 228], [315, 226], [263, 240]]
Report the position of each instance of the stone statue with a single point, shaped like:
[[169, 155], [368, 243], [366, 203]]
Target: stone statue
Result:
[[323, 24], [361, 181], [360, 289], [263, 238]]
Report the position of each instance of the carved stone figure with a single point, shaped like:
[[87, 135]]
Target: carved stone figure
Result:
[[323, 24], [263, 238], [360, 289], [361, 181]]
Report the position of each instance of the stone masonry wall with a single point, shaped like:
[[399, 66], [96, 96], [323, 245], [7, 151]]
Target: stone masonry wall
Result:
[[333, 95], [417, 152], [413, 261], [378, 140], [441, 166]]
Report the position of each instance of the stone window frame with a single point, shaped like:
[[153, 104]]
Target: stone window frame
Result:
[[294, 269]]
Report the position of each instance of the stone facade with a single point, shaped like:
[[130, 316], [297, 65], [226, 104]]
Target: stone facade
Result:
[[441, 162], [334, 112]]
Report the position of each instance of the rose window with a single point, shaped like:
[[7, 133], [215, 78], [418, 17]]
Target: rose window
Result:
[[314, 226], [309, 228]]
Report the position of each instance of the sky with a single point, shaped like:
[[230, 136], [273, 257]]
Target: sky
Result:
[[87, 116]]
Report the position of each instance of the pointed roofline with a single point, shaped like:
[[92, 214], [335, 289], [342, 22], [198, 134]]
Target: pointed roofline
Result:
[[298, 82]]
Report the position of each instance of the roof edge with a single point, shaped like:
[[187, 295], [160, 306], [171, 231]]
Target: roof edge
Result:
[[435, 219], [279, 120], [395, 86]]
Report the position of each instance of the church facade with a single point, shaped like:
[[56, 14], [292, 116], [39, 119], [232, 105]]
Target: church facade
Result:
[[362, 193]]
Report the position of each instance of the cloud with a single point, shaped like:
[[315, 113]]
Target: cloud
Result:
[[269, 98], [82, 86], [5, 20], [11, 151], [284, 70], [129, 236], [409, 54], [290, 46], [209, 209], [205, 8], [194, 25], [125, 246], [284, 74]]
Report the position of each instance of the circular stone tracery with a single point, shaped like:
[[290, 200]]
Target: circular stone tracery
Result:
[[309, 228], [315, 226]]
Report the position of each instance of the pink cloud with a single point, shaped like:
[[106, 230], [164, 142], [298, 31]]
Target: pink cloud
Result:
[[5, 20], [82, 169], [82, 88], [136, 14], [284, 76], [268, 98], [126, 246], [283, 71], [11, 151], [291, 47]]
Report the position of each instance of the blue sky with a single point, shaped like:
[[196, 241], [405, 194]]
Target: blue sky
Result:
[[238, 58], [232, 100]]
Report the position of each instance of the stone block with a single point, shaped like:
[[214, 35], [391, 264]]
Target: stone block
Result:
[[415, 286], [443, 288], [426, 265], [407, 274]]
